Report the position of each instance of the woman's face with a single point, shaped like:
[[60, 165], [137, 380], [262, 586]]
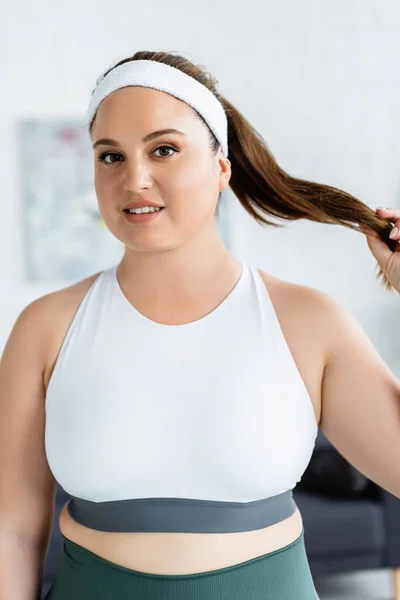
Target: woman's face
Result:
[[175, 170]]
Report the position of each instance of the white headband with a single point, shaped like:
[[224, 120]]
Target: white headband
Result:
[[153, 74]]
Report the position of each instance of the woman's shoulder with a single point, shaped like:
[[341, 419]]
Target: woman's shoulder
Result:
[[52, 315], [55, 304], [295, 298], [303, 313]]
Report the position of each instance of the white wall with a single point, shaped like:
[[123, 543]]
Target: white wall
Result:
[[319, 80]]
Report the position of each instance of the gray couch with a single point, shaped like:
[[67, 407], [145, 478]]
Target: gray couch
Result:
[[340, 535], [350, 534]]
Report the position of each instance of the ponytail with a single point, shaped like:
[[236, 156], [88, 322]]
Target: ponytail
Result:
[[260, 184]]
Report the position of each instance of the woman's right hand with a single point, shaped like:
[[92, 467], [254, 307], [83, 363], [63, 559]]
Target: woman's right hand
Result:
[[388, 261]]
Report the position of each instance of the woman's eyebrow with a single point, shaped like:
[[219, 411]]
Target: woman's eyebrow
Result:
[[147, 138]]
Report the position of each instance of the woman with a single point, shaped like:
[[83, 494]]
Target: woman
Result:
[[177, 396]]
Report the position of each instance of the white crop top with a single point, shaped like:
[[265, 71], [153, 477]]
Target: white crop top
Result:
[[200, 427]]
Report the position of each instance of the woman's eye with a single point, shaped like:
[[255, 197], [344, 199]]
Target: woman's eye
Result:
[[103, 156], [168, 148]]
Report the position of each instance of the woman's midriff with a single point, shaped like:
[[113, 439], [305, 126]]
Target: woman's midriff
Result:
[[181, 553]]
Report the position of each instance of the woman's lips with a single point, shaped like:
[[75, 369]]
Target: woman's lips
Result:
[[143, 217]]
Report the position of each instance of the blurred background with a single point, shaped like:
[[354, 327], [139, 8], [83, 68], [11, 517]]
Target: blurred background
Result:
[[318, 80]]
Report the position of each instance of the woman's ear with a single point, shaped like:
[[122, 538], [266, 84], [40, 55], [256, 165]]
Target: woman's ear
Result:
[[225, 172]]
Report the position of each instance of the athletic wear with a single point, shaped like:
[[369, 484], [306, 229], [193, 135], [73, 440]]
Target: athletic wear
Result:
[[280, 575], [202, 427]]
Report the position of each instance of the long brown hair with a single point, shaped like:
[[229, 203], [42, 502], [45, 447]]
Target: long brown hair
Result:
[[261, 186]]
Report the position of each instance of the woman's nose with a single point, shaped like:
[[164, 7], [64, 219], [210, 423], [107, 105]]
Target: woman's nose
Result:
[[136, 176]]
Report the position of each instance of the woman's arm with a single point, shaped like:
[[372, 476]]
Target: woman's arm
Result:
[[27, 487], [360, 399], [21, 569]]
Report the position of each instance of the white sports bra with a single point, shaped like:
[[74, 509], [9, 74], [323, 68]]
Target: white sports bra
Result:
[[202, 427]]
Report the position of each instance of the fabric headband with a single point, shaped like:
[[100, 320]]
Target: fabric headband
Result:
[[153, 74]]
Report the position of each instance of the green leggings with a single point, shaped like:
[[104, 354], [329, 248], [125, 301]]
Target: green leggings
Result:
[[280, 575]]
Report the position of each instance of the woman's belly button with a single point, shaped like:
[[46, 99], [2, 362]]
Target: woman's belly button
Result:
[[181, 554]]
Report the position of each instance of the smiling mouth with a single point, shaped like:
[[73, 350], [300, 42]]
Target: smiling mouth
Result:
[[127, 210]]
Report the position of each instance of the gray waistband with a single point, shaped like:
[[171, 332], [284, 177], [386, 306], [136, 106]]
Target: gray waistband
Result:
[[181, 515]]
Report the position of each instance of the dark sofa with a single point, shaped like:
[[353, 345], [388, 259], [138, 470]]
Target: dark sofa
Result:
[[340, 534], [351, 534]]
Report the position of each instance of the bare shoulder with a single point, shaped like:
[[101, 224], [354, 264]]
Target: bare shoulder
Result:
[[296, 300], [304, 315], [67, 297], [53, 314]]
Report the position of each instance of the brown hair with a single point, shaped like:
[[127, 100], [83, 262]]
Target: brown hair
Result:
[[258, 181]]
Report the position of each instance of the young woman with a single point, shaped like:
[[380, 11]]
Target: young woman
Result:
[[177, 396]]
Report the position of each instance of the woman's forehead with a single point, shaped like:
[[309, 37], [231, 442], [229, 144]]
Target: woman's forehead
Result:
[[147, 138], [143, 114], [141, 102]]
